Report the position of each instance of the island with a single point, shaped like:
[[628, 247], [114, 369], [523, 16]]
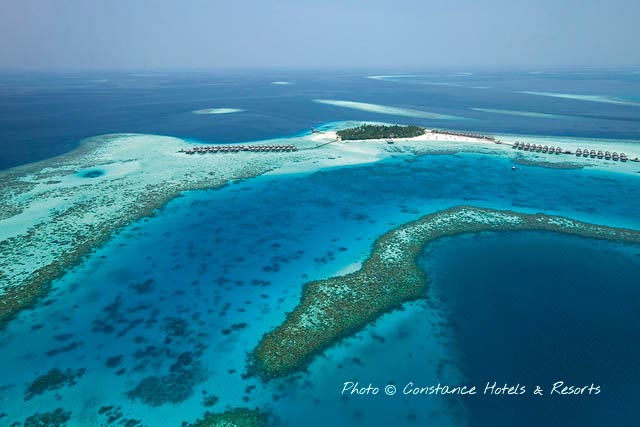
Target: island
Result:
[[367, 131]]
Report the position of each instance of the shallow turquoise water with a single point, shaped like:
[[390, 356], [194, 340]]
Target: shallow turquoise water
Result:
[[173, 304]]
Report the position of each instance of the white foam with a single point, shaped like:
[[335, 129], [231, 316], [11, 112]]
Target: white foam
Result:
[[590, 98], [400, 76], [217, 111], [281, 83], [522, 113], [386, 109]]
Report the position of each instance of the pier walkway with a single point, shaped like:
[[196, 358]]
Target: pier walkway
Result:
[[260, 148], [592, 153]]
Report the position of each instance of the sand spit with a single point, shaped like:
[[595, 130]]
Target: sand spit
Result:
[[337, 307], [208, 111], [589, 98], [386, 109]]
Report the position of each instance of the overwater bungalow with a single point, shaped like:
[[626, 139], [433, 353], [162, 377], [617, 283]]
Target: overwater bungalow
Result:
[[607, 155], [558, 150], [623, 157], [600, 154], [545, 148], [552, 149], [585, 152], [615, 156], [539, 147], [526, 146], [578, 151], [592, 153]]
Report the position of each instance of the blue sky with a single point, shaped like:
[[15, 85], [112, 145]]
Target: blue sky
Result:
[[403, 34]]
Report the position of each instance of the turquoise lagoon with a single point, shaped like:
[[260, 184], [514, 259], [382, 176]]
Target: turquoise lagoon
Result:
[[160, 320]]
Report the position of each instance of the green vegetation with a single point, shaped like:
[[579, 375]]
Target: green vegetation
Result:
[[379, 132]]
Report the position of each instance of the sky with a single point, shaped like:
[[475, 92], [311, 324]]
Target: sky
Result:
[[365, 34]]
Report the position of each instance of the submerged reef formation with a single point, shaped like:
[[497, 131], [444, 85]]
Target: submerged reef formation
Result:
[[240, 417], [334, 308], [52, 380], [57, 418], [174, 387]]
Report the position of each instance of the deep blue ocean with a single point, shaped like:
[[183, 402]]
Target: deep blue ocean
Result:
[[178, 300]]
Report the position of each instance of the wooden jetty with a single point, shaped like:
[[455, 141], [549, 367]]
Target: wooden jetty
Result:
[[537, 148], [580, 152], [253, 148], [463, 134]]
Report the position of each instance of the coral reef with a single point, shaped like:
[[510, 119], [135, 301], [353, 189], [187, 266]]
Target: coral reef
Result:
[[52, 380], [57, 418], [337, 307]]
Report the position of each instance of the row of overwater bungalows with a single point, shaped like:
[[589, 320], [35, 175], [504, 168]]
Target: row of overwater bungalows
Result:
[[599, 154], [540, 148], [238, 148]]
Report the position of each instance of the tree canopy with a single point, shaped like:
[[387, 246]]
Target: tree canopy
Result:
[[379, 132]]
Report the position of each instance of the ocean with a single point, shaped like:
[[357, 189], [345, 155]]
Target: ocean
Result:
[[44, 115], [156, 325]]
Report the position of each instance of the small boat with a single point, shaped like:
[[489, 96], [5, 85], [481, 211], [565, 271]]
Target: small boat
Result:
[[513, 168]]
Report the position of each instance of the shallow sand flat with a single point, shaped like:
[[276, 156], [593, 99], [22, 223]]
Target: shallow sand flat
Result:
[[386, 109], [589, 98], [207, 111], [523, 113]]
